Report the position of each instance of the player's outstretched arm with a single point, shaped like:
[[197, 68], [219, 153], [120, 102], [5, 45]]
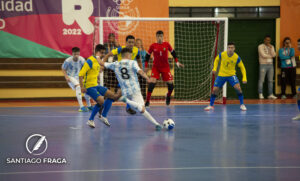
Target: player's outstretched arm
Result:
[[83, 89], [179, 65], [243, 70], [216, 63], [86, 66]]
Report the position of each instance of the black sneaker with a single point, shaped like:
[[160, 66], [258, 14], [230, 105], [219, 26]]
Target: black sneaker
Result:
[[168, 100], [147, 104], [130, 111]]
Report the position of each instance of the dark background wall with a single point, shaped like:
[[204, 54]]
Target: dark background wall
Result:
[[247, 35]]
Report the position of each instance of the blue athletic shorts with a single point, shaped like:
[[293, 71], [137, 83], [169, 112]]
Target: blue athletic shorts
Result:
[[95, 92], [220, 81], [299, 89]]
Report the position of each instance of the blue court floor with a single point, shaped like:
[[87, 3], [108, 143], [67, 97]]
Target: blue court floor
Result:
[[225, 144]]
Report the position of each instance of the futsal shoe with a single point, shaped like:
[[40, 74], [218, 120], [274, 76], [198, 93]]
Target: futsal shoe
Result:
[[130, 111], [271, 96], [261, 96], [91, 123], [104, 120], [147, 104], [83, 109], [283, 97], [168, 100], [158, 127], [243, 107], [91, 108], [208, 108], [296, 118]]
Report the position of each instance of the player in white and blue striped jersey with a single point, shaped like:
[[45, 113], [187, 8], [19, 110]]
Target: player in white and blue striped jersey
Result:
[[126, 72], [71, 68]]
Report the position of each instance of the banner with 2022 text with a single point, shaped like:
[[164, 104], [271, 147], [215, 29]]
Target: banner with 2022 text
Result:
[[50, 28]]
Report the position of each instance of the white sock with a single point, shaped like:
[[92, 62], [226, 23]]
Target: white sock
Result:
[[78, 95], [88, 100], [135, 105], [149, 117]]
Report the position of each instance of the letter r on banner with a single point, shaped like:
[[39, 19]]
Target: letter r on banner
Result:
[[79, 11]]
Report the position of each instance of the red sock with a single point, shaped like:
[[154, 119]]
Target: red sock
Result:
[[148, 96]]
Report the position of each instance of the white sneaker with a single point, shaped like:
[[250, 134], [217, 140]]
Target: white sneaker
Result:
[[261, 96], [296, 118], [208, 108], [272, 96], [104, 120], [283, 97], [91, 123], [243, 107]]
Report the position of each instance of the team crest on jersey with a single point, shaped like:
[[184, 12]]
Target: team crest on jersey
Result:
[[164, 49], [125, 11]]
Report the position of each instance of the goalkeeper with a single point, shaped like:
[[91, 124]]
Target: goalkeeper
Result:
[[160, 66]]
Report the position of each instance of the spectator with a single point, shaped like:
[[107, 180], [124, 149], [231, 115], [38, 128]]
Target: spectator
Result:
[[266, 53], [288, 67], [139, 45], [110, 45], [110, 80]]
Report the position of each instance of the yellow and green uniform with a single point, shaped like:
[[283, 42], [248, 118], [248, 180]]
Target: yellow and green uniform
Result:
[[90, 72], [228, 64], [135, 53]]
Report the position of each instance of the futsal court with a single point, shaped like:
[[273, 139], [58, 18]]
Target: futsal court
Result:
[[262, 143]]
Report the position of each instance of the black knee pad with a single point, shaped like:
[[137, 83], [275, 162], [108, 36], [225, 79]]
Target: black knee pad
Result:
[[170, 87], [151, 87]]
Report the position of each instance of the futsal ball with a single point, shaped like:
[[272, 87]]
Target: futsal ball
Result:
[[169, 124]]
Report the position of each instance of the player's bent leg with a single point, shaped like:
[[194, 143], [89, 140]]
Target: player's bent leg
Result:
[[88, 102], [151, 87], [137, 103], [114, 96], [170, 90], [239, 92], [106, 106], [213, 97], [79, 99]]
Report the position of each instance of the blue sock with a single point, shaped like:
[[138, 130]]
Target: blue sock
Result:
[[95, 111], [212, 99], [107, 105], [241, 98], [127, 106], [298, 102]]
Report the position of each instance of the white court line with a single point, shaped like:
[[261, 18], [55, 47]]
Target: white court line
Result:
[[216, 115], [147, 169]]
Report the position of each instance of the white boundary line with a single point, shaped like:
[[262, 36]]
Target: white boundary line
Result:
[[139, 115], [147, 169]]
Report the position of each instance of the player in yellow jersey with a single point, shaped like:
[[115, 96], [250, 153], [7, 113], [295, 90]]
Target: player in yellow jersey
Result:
[[229, 59], [88, 78], [130, 41]]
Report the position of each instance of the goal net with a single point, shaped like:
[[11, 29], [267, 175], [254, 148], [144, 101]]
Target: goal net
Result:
[[196, 41]]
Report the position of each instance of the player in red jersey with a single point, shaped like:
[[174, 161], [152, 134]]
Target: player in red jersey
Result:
[[161, 66]]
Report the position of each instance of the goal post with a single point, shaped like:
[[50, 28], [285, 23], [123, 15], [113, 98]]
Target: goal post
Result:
[[196, 41]]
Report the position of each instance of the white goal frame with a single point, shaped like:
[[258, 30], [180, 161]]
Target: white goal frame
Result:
[[224, 19]]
